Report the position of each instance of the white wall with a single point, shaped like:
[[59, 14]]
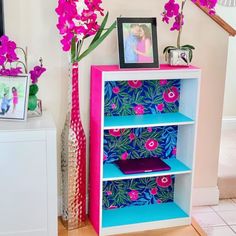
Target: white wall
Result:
[[229, 15], [32, 23]]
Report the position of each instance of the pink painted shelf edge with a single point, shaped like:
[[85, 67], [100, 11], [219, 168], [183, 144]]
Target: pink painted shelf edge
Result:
[[163, 67]]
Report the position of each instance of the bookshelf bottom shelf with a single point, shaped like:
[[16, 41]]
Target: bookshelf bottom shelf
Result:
[[142, 214]]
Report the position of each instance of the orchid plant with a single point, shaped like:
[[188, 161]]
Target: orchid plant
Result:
[[11, 65], [174, 10], [77, 20]]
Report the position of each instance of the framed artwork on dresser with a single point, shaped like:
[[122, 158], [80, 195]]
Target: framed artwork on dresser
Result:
[[14, 97]]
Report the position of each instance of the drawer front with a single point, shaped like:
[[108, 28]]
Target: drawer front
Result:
[[23, 186], [16, 136]]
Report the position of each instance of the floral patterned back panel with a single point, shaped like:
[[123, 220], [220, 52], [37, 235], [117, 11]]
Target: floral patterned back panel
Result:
[[137, 192], [121, 144], [139, 143], [139, 97]]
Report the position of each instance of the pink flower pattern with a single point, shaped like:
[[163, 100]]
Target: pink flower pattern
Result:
[[133, 195], [163, 82], [135, 83], [131, 136], [113, 106], [149, 129], [151, 144], [174, 151], [171, 95], [164, 181], [116, 90], [160, 107], [139, 110], [109, 193], [124, 156], [115, 132], [104, 157], [153, 191]]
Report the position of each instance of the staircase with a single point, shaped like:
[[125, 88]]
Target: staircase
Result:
[[227, 160], [228, 28]]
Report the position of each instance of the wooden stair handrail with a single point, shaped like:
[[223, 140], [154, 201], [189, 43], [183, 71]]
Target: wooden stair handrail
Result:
[[228, 28]]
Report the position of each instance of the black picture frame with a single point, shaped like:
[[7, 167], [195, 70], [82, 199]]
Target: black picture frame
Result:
[[137, 61], [2, 23]]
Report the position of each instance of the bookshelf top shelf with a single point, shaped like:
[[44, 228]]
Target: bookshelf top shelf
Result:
[[137, 121], [115, 68], [114, 73]]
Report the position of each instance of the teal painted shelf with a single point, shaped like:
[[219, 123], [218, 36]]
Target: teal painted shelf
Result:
[[141, 214], [112, 172], [146, 120]]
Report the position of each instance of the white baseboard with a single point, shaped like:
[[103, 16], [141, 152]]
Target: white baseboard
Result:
[[205, 196], [229, 122]]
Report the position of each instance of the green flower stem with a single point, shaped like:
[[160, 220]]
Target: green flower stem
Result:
[[73, 50], [25, 53], [80, 45], [100, 31], [23, 64], [180, 22]]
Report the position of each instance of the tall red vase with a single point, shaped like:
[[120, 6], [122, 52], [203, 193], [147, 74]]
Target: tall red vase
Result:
[[73, 159]]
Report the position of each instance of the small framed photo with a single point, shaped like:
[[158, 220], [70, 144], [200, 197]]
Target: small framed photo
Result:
[[137, 41], [14, 97]]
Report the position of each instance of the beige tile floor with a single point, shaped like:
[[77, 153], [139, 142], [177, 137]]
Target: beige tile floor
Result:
[[227, 162], [217, 220], [188, 230]]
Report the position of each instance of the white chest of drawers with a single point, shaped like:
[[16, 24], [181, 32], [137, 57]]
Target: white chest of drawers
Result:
[[28, 178]]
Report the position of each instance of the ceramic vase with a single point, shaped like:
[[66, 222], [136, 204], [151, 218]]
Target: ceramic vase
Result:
[[178, 57]]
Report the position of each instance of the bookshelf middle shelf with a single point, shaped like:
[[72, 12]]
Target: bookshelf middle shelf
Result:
[[111, 172]]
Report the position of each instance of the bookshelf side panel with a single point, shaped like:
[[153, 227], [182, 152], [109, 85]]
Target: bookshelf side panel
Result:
[[95, 148]]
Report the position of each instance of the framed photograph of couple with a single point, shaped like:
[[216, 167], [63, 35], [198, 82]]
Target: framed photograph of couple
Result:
[[137, 41], [14, 97]]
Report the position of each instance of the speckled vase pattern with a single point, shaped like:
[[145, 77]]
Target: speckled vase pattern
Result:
[[73, 159]]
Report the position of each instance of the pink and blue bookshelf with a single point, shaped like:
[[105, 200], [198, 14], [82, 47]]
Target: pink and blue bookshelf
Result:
[[142, 113]]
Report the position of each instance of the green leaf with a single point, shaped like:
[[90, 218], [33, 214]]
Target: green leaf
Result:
[[98, 41], [98, 34], [73, 49], [188, 46], [190, 55], [168, 48]]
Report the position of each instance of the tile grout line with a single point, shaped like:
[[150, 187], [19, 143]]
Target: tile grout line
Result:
[[234, 201], [232, 229], [223, 218]]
